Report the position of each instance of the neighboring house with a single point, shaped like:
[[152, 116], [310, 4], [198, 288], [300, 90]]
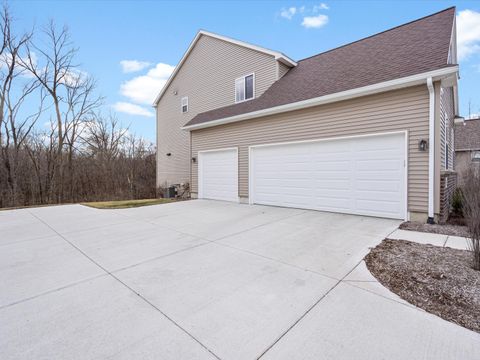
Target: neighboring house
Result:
[[467, 147], [347, 130]]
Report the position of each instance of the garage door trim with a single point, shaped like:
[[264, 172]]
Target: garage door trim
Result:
[[200, 168], [401, 132]]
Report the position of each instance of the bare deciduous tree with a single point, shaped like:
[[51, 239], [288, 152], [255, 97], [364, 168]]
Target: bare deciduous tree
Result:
[[71, 93], [471, 210], [15, 88], [54, 145]]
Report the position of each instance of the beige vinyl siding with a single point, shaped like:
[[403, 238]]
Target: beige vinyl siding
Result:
[[282, 69], [447, 114], [207, 77], [405, 109]]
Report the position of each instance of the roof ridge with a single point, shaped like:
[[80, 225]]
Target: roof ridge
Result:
[[379, 33]]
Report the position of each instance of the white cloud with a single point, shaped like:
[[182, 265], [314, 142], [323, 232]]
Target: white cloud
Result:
[[322, 6], [143, 89], [129, 66], [315, 21], [468, 33], [73, 77], [132, 109], [288, 13], [6, 61]]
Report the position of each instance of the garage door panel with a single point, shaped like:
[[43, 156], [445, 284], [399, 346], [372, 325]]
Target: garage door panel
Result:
[[218, 175], [332, 165], [364, 175], [286, 191], [380, 164], [265, 184], [379, 175], [332, 204], [380, 196], [389, 208], [334, 184], [379, 185]]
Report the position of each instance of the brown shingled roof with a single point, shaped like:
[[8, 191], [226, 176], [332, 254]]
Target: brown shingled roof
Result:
[[413, 48], [467, 136]]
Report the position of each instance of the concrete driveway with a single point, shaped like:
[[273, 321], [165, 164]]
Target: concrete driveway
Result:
[[205, 280]]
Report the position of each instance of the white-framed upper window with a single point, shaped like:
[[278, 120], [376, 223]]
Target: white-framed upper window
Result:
[[245, 88], [184, 104]]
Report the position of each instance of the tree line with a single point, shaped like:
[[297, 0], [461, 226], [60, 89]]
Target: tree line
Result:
[[56, 145]]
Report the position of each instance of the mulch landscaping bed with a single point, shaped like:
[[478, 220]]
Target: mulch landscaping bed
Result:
[[437, 279], [447, 229]]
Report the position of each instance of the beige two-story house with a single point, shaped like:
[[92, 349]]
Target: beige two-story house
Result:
[[364, 129]]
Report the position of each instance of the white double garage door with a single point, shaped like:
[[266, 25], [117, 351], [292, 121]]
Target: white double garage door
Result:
[[364, 175]]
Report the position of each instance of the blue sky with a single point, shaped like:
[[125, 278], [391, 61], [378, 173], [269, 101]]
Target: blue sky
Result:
[[153, 35]]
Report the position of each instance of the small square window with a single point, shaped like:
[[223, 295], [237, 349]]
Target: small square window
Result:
[[245, 88], [184, 104], [476, 156]]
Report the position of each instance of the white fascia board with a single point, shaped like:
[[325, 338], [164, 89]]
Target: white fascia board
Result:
[[277, 55], [343, 95]]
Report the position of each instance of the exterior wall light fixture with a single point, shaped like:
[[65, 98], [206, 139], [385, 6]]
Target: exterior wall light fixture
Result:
[[423, 145]]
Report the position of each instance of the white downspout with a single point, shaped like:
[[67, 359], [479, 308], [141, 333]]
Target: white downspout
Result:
[[431, 150]]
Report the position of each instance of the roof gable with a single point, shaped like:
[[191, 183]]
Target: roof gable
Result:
[[277, 55], [420, 46]]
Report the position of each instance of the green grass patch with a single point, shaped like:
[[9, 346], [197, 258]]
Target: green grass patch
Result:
[[125, 204]]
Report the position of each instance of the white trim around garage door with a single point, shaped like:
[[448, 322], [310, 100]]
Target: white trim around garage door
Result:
[[200, 168], [404, 132]]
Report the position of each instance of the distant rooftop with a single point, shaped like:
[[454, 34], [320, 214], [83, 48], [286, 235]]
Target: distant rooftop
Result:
[[467, 136]]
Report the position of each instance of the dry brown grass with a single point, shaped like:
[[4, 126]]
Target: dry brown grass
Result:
[[125, 204]]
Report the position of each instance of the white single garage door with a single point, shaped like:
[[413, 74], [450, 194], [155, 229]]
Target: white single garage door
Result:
[[359, 175], [218, 174]]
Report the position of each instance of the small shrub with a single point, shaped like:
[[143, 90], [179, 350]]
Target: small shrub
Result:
[[183, 191], [457, 202], [471, 210]]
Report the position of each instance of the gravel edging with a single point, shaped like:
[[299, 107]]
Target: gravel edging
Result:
[[447, 229], [436, 279]]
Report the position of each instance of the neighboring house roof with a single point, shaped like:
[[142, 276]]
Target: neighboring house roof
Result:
[[414, 48], [277, 55], [467, 136]]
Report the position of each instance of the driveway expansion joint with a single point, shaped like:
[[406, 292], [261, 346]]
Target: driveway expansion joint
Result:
[[312, 307], [303, 323], [131, 289]]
